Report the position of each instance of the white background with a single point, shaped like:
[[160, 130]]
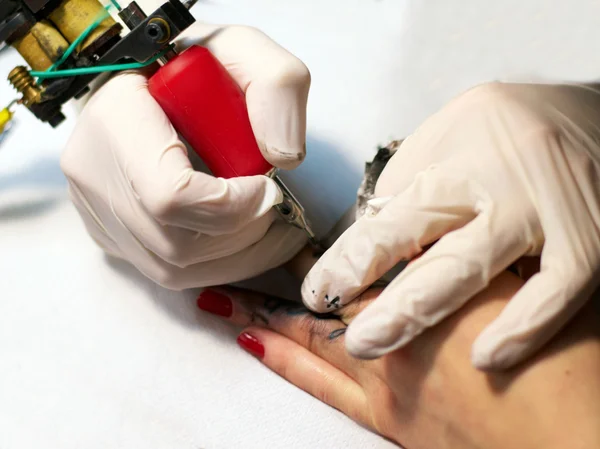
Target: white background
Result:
[[92, 355]]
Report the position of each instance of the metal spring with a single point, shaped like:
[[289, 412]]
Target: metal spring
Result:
[[20, 78], [25, 84]]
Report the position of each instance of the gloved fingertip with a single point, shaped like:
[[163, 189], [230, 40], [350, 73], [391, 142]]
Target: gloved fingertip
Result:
[[372, 336], [360, 348], [481, 352], [311, 299], [285, 158], [487, 356], [481, 361]]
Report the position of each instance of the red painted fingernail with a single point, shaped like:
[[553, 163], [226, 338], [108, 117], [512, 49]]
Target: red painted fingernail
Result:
[[251, 344], [216, 303]]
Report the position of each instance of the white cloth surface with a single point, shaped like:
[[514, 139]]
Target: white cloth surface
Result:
[[93, 355]]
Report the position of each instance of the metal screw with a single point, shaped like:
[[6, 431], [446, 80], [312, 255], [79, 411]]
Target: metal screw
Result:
[[156, 31]]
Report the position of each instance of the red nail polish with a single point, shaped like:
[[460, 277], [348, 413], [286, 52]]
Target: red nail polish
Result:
[[251, 344], [215, 303]]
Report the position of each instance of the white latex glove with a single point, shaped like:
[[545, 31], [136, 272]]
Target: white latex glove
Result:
[[503, 171], [140, 199]]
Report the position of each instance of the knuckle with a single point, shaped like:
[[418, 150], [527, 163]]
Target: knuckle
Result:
[[172, 254], [388, 401], [67, 162], [311, 337], [123, 81], [166, 277], [283, 367], [351, 310], [100, 109], [175, 252], [507, 99], [490, 88], [314, 331], [290, 71], [285, 69], [486, 95], [73, 162], [161, 204], [245, 31], [102, 101], [323, 392]]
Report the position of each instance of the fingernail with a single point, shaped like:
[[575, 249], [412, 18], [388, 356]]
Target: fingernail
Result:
[[215, 303], [251, 344]]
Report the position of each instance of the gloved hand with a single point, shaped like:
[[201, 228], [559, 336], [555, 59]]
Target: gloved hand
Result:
[[132, 182], [503, 171]]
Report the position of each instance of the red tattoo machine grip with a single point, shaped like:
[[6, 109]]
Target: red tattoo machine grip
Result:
[[208, 109]]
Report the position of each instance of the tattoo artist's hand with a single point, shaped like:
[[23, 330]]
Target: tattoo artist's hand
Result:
[[427, 395], [139, 196], [503, 171]]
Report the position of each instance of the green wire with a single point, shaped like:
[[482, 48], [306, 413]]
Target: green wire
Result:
[[79, 39], [98, 69], [53, 73]]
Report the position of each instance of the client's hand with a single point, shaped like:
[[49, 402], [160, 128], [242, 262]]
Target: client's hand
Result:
[[427, 395]]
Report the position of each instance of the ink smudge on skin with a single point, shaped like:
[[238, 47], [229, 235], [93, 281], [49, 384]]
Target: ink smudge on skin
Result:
[[296, 310], [272, 304]]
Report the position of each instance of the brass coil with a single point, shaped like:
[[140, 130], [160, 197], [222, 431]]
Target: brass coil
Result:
[[25, 84]]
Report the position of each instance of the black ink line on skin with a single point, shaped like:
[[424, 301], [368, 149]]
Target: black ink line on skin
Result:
[[254, 316], [296, 310], [291, 308], [337, 333], [325, 316], [301, 310], [272, 304]]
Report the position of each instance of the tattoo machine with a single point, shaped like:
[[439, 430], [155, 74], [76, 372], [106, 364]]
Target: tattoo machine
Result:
[[69, 43]]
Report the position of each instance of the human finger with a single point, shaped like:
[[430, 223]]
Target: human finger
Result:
[[275, 82], [321, 334], [307, 371], [547, 301], [278, 245]]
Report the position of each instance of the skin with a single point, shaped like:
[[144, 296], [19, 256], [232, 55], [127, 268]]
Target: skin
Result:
[[427, 395]]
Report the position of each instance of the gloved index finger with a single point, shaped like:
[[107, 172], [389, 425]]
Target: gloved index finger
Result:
[[276, 84], [433, 205]]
